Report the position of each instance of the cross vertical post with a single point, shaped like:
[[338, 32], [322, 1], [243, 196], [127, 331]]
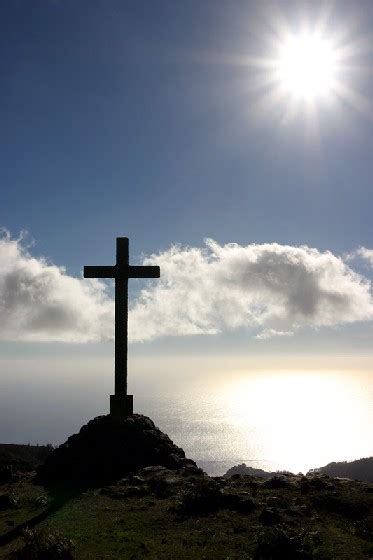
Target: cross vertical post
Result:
[[121, 404], [121, 318]]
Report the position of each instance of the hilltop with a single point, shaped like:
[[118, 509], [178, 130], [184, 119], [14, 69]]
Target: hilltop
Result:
[[361, 469], [79, 506]]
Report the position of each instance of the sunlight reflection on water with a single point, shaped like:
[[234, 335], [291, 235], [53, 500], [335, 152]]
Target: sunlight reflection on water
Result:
[[275, 420]]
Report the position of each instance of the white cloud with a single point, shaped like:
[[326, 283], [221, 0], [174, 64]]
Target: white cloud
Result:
[[273, 289], [270, 333], [40, 302], [365, 254]]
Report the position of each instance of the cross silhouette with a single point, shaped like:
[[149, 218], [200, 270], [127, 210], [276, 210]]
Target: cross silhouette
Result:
[[121, 404]]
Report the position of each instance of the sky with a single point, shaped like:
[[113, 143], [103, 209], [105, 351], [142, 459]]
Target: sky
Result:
[[160, 121]]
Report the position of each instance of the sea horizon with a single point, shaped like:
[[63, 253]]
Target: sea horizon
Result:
[[286, 420]]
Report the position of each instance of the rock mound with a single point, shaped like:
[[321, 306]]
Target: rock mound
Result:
[[107, 449]]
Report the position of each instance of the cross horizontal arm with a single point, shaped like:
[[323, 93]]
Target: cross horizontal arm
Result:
[[144, 272], [122, 272], [99, 271]]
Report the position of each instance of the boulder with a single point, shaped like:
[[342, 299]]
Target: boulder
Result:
[[106, 449], [235, 502], [276, 482], [201, 498]]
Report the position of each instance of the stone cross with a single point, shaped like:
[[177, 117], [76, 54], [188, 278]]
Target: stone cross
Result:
[[121, 404]]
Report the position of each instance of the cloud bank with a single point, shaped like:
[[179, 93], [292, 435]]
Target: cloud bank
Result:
[[40, 302], [276, 289], [271, 289]]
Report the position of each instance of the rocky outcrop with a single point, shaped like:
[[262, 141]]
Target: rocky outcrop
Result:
[[107, 449], [244, 470]]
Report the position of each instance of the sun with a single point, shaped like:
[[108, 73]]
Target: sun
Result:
[[306, 66], [309, 68]]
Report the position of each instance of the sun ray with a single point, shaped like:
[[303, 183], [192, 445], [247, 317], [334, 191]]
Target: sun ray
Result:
[[356, 100]]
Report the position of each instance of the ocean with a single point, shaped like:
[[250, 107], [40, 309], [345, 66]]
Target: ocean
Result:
[[275, 420], [292, 421]]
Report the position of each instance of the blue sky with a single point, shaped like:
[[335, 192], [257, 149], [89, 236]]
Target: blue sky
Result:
[[114, 124], [132, 119]]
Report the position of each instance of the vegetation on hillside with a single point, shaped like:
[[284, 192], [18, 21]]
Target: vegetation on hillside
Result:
[[21, 458], [18, 454], [157, 513]]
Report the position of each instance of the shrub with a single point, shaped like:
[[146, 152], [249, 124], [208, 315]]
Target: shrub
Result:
[[40, 501], [7, 474], [45, 545], [279, 543], [8, 501]]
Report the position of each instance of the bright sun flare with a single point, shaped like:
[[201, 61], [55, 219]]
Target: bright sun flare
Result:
[[306, 66]]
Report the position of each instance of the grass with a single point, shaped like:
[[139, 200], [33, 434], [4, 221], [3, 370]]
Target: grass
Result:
[[131, 522]]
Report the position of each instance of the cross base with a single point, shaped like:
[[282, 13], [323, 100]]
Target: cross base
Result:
[[120, 407]]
